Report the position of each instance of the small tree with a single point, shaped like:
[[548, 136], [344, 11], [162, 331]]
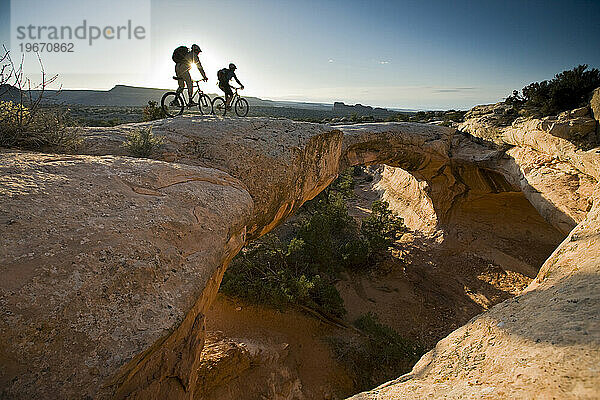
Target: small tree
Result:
[[382, 228]]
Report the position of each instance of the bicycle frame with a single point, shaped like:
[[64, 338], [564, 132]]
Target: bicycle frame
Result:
[[198, 92], [235, 96]]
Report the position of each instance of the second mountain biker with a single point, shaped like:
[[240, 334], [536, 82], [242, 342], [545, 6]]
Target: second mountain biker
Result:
[[224, 76]]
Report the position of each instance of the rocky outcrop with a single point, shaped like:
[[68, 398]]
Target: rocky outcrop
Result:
[[107, 297], [595, 108], [543, 343], [281, 163], [108, 263]]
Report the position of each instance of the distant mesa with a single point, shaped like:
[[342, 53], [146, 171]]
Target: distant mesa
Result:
[[341, 108], [133, 96]]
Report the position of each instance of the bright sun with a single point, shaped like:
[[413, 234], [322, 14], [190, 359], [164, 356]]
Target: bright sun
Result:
[[195, 73]]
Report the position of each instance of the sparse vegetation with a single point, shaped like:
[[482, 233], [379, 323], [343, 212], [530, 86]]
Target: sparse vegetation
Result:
[[567, 90], [142, 143], [378, 357], [81, 115], [304, 268], [153, 111], [35, 129], [445, 118], [382, 228], [24, 123]]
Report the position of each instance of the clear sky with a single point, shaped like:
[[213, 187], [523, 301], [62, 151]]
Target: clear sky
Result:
[[407, 54]]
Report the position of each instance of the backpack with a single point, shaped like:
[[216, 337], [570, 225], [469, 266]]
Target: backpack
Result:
[[222, 75], [180, 53]]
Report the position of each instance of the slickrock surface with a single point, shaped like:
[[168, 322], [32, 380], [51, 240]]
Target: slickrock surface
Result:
[[106, 257]]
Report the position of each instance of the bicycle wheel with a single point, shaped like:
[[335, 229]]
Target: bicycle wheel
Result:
[[172, 104], [205, 105], [218, 106], [241, 107]]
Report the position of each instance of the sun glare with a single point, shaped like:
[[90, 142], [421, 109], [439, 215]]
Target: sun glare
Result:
[[195, 73]]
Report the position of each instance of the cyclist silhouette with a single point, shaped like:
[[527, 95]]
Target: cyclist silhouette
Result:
[[184, 59], [225, 75]]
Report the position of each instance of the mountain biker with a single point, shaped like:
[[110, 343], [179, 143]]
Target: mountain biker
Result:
[[184, 59], [225, 75]]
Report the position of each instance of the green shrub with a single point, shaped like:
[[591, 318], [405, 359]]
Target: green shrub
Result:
[[382, 354], [567, 90], [142, 143], [36, 128], [344, 184], [382, 228], [153, 111], [266, 273], [304, 269]]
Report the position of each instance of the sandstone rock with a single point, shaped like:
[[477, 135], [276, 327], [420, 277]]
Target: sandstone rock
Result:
[[580, 112], [560, 193], [409, 198], [281, 162], [486, 121], [535, 134], [595, 104], [541, 344], [595, 111], [105, 260]]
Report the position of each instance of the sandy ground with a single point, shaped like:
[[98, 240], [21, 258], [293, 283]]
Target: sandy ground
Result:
[[288, 350]]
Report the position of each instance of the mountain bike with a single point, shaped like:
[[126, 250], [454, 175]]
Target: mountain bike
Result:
[[239, 104], [173, 103]]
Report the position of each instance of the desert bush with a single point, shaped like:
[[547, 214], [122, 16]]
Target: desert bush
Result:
[[153, 111], [303, 270], [454, 116], [382, 228], [36, 129], [142, 143], [268, 273], [24, 121], [344, 184], [382, 354], [567, 90]]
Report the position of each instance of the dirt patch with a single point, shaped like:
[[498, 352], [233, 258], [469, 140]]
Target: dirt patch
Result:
[[255, 352]]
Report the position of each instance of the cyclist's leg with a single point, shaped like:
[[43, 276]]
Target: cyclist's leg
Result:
[[188, 81], [226, 90], [228, 95], [180, 69]]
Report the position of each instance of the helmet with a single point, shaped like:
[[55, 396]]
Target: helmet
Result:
[[196, 48], [232, 66]]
